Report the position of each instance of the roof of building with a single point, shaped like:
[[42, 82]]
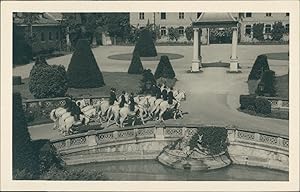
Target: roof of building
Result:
[[39, 19], [215, 20], [54, 15]]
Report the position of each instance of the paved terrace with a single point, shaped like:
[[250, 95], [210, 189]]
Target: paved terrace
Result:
[[212, 96]]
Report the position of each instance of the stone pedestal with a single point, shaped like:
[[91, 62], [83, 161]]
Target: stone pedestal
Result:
[[196, 61], [234, 58]]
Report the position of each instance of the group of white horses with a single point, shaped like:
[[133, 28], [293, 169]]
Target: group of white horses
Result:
[[145, 106]]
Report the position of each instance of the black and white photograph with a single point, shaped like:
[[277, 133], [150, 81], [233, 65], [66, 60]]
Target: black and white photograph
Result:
[[200, 95]]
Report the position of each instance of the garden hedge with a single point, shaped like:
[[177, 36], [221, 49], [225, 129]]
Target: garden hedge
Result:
[[164, 68], [263, 106], [260, 65], [145, 45], [267, 82], [83, 71], [47, 81], [136, 66], [247, 102]]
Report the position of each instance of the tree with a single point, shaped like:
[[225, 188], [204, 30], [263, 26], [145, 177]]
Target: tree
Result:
[[164, 68], [136, 66], [83, 71], [258, 31], [173, 33], [260, 65], [22, 51], [189, 33], [277, 31], [24, 160], [145, 45], [47, 81]]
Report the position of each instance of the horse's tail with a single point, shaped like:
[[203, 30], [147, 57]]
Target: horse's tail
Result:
[[53, 117]]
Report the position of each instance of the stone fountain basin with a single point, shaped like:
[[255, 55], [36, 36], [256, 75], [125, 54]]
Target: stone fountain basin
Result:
[[176, 159]]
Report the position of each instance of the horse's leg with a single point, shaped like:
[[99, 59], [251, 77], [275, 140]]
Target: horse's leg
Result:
[[142, 118], [160, 118]]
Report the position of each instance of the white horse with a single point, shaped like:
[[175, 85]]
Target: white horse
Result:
[[164, 106], [180, 96], [89, 111], [113, 112], [55, 114], [155, 107], [102, 108], [69, 121], [125, 113]]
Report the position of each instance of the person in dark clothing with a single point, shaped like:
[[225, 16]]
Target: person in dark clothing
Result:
[[76, 110], [158, 92], [153, 90], [171, 96], [123, 100], [131, 102], [164, 94], [113, 96]]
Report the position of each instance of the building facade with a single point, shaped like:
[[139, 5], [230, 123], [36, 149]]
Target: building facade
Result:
[[45, 31], [182, 20]]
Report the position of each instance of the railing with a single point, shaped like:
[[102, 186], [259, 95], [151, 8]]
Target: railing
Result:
[[278, 103], [115, 136], [41, 108]]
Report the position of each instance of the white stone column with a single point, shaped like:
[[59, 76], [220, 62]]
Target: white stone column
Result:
[[196, 61], [208, 36], [234, 58]]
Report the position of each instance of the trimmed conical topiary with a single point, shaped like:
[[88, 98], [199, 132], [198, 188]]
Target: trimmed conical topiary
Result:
[[164, 68], [145, 45], [136, 66], [83, 71], [260, 65]]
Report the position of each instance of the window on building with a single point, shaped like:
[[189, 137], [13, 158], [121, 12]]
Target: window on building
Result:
[[181, 30], [268, 14], [287, 28], [267, 28], [248, 29], [163, 31], [50, 36], [57, 35], [287, 14], [248, 15], [141, 16], [199, 14], [181, 15], [42, 36], [163, 15]]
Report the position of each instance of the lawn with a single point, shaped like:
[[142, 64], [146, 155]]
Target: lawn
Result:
[[128, 57], [119, 80], [278, 56]]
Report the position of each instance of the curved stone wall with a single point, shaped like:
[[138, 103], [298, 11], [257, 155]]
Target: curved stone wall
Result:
[[147, 142]]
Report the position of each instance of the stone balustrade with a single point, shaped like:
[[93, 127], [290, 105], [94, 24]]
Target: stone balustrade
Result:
[[41, 108], [147, 141], [278, 103]]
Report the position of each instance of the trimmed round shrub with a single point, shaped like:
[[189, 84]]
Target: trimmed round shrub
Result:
[[263, 106], [147, 82], [164, 68], [247, 101], [260, 65], [167, 82], [48, 81], [145, 45], [136, 66], [83, 71]]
